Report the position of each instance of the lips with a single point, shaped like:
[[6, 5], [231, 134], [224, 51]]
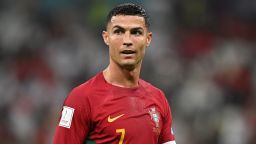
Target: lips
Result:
[[128, 52]]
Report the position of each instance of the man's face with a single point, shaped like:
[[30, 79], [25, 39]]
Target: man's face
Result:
[[127, 38]]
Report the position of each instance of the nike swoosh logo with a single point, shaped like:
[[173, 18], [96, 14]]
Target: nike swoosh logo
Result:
[[110, 120]]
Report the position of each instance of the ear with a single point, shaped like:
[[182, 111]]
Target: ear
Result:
[[105, 37], [149, 38]]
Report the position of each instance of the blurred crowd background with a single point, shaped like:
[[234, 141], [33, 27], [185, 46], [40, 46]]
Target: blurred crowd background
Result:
[[202, 56]]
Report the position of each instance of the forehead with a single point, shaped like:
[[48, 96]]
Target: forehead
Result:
[[127, 21]]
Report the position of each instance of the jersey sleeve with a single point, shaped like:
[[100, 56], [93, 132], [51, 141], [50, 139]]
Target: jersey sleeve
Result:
[[167, 135], [74, 122]]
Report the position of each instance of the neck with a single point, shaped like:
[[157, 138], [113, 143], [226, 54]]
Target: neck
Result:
[[122, 77]]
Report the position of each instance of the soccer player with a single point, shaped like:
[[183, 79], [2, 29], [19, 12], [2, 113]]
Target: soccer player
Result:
[[116, 106]]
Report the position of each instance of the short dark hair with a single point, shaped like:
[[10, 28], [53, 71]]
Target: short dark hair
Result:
[[129, 9]]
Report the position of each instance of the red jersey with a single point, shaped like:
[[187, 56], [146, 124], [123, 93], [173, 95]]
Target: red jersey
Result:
[[109, 114]]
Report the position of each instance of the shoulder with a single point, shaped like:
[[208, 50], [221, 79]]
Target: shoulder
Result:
[[80, 93], [151, 88], [158, 97]]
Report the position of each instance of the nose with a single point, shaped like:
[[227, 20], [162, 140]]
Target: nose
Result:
[[127, 39]]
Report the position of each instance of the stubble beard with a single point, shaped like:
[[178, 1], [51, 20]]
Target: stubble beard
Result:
[[130, 66]]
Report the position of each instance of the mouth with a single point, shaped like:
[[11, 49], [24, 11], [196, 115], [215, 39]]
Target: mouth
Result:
[[127, 52]]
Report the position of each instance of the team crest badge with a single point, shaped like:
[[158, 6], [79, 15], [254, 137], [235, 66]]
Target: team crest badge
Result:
[[154, 116]]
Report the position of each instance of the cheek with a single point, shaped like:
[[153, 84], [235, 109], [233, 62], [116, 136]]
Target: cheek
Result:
[[115, 42], [141, 44], [114, 49]]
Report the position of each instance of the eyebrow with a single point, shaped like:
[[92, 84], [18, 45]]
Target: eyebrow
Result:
[[135, 28], [118, 27]]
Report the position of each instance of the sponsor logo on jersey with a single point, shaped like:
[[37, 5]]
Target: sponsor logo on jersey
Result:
[[110, 120], [66, 117]]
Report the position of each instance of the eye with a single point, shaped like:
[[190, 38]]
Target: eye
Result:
[[136, 32], [118, 31]]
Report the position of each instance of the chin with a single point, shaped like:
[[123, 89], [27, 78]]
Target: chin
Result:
[[128, 66]]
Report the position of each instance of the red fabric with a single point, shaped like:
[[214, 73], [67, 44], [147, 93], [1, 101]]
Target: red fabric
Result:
[[96, 100]]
